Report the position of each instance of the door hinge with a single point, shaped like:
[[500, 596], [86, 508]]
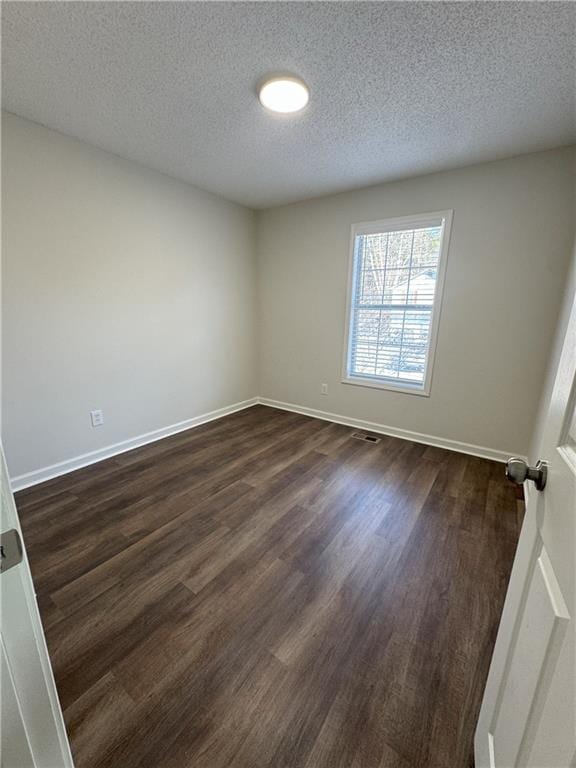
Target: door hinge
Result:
[[10, 549]]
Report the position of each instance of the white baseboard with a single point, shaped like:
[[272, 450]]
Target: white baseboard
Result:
[[405, 434], [63, 467], [28, 479]]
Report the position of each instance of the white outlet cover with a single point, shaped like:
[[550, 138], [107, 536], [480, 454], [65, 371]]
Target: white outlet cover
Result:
[[97, 418]]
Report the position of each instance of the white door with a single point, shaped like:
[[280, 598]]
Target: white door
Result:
[[32, 731], [528, 715]]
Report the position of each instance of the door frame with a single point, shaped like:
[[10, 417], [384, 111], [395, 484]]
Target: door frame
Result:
[[39, 647]]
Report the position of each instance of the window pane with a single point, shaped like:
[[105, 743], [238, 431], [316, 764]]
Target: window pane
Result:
[[371, 289], [395, 278], [365, 341]]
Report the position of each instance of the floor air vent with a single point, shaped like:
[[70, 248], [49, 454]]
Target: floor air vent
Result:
[[366, 438]]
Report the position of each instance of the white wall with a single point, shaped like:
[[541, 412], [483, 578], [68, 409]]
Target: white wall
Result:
[[123, 290], [132, 292], [508, 258], [556, 348]]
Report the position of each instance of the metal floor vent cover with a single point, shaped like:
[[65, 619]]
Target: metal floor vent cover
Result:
[[366, 438]]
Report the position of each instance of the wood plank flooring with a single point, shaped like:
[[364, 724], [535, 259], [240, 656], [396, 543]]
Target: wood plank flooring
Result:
[[265, 590]]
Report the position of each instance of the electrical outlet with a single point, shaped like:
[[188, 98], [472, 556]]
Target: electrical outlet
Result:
[[97, 418], [323, 389]]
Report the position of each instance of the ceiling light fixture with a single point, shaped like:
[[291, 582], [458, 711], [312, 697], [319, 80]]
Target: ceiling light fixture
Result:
[[284, 94]]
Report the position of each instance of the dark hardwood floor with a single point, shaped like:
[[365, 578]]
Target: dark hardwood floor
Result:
[[265, 590]]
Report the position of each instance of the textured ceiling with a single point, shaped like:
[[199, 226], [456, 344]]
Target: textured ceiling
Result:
[[397, 89]]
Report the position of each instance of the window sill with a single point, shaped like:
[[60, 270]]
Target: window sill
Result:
[[382, 384]]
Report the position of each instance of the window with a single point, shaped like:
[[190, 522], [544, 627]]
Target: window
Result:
[[394, 294]]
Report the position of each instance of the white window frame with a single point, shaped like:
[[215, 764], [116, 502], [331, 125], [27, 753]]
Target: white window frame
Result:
[[442, 218]]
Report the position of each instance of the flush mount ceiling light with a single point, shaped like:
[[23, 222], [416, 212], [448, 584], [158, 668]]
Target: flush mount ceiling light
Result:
[[284, 94]]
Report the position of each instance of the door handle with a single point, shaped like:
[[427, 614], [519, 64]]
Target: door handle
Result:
[[517, 470]]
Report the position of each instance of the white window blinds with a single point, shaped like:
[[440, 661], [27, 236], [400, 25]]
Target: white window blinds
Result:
[[394, 294]]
